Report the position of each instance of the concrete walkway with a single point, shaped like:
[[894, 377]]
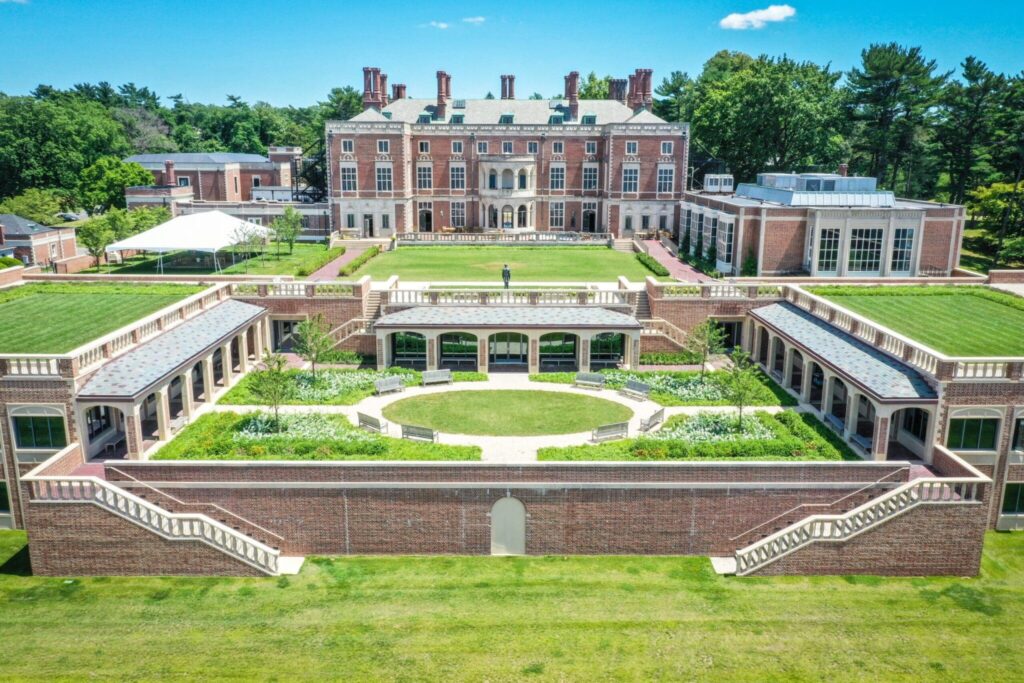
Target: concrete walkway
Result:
[[676, 268], [505, 449], [330, 271]]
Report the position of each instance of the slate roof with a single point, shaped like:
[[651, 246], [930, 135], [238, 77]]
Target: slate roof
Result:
[[16, 225], [129, 375], [198, 158], [534, 112], [878, 373], [507, 317]]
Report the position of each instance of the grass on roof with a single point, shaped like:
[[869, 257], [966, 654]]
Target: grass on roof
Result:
[[581, 618], [954, 320], [57, 318], [484, 264]]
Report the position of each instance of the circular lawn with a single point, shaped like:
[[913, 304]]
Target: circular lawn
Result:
[[507, 413]]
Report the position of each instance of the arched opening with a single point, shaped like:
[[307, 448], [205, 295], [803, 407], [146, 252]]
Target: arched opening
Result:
[[492, 217], [523, 179], [218, 368], [508, 352], [507, 216], [817, 386], [508, 527], [589, 220], [198, 383], [176, 399], [508, 179], [148, 422], [908, 434], [796, 372], [409, 350], [458, 351], [607, 350], [762, 347], [236, 356], [864, 430], [426, 219], [521, 221], [492, 180], [105, 432], [778, 357], [558, 352], [837, 412]]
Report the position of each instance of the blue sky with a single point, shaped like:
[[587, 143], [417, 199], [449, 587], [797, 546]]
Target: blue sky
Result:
[[294, 51]]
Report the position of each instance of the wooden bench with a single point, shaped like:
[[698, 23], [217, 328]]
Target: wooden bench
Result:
[[393, 383], [437, 377], [649, 423], [617, 430], [635, 389], [589, 380], [372, 423], [415, 433]]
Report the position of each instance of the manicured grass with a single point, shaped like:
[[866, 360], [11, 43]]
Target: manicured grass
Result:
[[214, 436], [793, 437], [57, 318], [956, 321], [516, 618], [484, 264], [305, 259], [507, 413], [331, 387]]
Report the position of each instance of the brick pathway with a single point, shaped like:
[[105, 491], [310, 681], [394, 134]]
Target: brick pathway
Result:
[[330, 271], [676, 268]]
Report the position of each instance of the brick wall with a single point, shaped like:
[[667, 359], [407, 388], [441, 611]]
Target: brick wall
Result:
[[11, 275]]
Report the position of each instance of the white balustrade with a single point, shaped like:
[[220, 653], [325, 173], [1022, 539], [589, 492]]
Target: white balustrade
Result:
[[980, 370]]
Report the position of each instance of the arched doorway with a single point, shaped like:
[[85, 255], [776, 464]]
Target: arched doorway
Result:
[[104, 427], [458, 351], [607, 350], [762, 347], [508, 527], [558, 352], [817, 386], [508, 179], [589, 220], [492, 217], [506, 217], [492, 180], [837, 411], [778, 357], [522, 179], [426, 221], [521, 215], [409, 350], [796, 372], [508, 351]]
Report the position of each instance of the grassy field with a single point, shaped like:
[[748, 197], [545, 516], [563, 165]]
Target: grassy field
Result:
[[484, 264], [507, 413], [957, 321], [305, 259], [514, 619], [56, 318]]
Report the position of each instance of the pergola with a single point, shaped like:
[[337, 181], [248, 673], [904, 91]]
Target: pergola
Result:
[[208, 232]]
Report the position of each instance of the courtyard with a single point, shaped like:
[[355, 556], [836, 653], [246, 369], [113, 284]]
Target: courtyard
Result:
[[504, 619], [484, 264]]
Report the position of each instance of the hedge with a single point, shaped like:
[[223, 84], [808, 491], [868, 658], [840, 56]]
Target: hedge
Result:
[[682, 358], [651, 263], [358, 262], [9, 261], [322, 259]]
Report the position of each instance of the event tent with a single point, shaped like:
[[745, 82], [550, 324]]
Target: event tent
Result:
[[208, 232]]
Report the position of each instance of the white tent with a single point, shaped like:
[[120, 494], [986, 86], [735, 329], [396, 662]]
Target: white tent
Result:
[[208, 232]]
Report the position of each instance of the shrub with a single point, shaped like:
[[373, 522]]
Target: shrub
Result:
[[651, 264], [340, 357], [358, 262], [662, 358], [749, 268], [9, 261], [318, 261]]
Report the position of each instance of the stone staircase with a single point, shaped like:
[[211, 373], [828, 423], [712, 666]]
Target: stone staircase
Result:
[[625, 246], [372, 308], [642, 311]]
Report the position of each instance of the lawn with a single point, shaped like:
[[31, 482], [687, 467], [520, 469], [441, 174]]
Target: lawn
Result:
[[305, 259], [516, 618], [57, 318], [507, 413], [252, 436], [484, 264], [956, 321]]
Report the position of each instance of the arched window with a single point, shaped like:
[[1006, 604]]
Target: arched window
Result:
[[492, 180], [521, 216], [522, 179]]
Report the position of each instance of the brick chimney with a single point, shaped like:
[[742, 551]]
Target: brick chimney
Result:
[[631, 93], [504, 87], [382, 88], [617, 89], [646, 95], [844, 169], [572, 93], [397, 91], [372, 96], [170, 178], [443, 83], [511, 86]]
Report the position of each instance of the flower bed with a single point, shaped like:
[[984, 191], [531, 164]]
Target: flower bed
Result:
[[717, 437], [307, 436], [682, 388]]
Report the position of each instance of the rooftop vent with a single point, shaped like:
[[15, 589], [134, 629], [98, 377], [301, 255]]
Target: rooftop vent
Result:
[[458, 104]]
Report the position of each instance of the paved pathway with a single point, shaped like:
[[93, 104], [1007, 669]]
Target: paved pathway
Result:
[[676, 268], [330, 271], [507, 449]]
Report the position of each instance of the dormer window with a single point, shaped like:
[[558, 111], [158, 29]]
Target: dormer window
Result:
[[423, 119], [506, 119], [589, 119], [458, 118]]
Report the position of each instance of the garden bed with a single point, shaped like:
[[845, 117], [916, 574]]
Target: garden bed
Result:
[[305, 436], [785, 436], [331, 387], [682, 388]]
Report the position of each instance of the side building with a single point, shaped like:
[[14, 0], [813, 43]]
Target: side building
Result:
[[444, 164]]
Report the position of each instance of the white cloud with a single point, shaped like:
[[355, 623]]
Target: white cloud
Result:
[[14, 2], [438, 24], [757, 18], [474, 20]]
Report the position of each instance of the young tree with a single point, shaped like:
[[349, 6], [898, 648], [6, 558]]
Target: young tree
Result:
[[313, 340], [95, 235], [704, 341], [741, 384], [101, 185], [287, 228], [41, 206], [271, 384], [593, 87]]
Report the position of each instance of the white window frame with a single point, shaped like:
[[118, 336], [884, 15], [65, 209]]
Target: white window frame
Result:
[[383, 147], [902, 249], [532, 147], [353, 182], [456, 146], [666, 185], [590, 147], [481, 147], [388, 178], [666, 147], [458, 216], [457, 177], [256, 180], [424, 146], [557, 147], [348, 146], [859, 234], [506, 147], [558, 184], [424, 177], [556, 215], [184, 181], [593, 171], [630, 177], [632, 147]]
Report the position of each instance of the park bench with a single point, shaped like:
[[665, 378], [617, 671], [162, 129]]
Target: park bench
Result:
[[393, 383], [415, 433], [589, 380], [635, 389], [617, 430], [649, 423], [372, 423], [437, 377]]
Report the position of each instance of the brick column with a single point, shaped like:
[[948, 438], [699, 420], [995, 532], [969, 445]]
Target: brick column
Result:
[[432, 353], [533, 355], [133, 433], [880, 436], [584, 354], [634, 350], [482, 353], [383, 351]]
